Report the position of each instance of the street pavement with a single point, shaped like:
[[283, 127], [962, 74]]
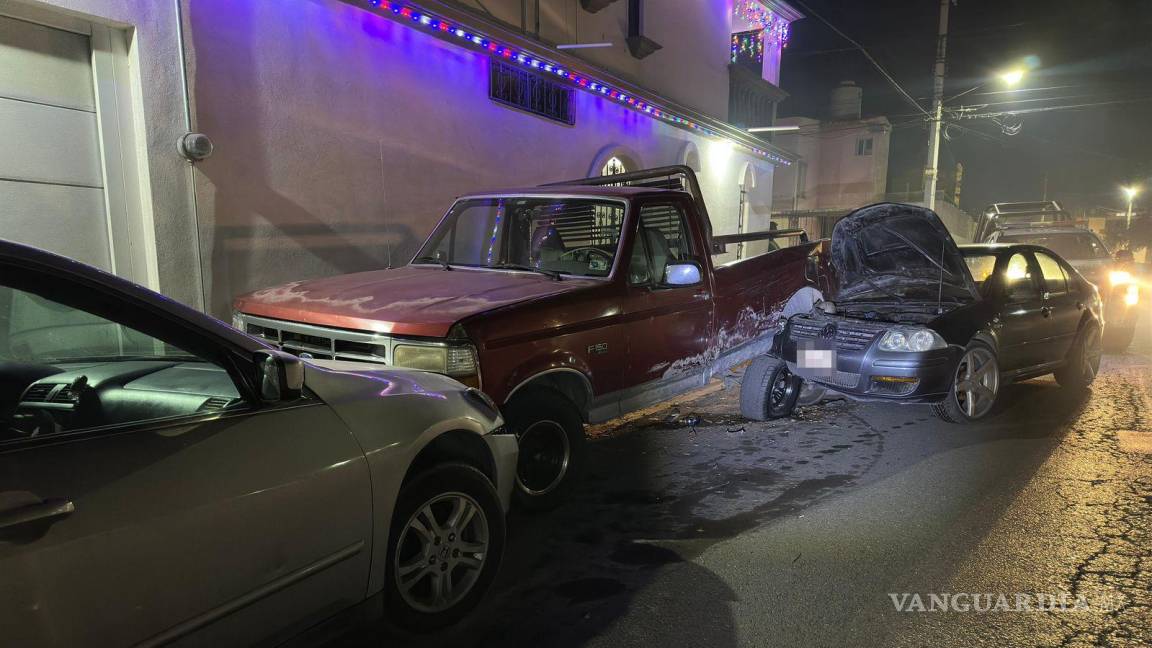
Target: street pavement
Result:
[[699, 528]]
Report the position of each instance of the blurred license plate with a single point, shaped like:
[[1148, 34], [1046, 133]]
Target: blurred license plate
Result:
[[815, 359]]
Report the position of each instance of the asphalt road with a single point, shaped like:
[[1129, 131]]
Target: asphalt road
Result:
[[809, 531]]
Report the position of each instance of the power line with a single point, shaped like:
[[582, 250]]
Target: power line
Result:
[[863, 51], [1029, 111]]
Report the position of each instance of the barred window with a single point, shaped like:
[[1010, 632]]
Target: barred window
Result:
[[531, 93]]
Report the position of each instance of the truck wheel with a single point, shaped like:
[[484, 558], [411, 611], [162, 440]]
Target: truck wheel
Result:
[[769, 390], [1083, 362], [444, 549], [975, 387], [552, 447], [1117, 340]]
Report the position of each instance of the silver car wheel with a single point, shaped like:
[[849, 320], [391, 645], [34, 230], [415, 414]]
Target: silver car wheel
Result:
[[544, 456], [441, 552], [977, 382]]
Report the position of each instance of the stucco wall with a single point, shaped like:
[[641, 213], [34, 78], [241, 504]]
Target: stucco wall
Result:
[[342, 137]]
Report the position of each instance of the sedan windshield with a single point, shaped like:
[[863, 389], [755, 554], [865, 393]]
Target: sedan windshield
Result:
[[1070, 245], [569, 236]]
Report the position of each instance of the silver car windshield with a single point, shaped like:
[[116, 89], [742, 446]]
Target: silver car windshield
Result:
[[559, 236]]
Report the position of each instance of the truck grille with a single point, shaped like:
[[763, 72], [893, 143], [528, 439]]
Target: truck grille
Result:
[[850, 336], [319, 341]]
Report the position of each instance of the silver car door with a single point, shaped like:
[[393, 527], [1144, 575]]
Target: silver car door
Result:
[[149, 501]]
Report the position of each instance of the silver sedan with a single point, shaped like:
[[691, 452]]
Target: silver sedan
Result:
[[166, 478]]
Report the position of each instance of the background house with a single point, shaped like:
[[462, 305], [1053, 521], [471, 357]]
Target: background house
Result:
[[343, 128]]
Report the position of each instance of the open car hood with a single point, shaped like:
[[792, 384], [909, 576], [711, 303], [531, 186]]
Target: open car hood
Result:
[[897, 252]]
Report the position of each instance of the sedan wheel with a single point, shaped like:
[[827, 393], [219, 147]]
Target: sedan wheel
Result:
[[975, 387], [444, 547], [441, 552], [1084, 360]]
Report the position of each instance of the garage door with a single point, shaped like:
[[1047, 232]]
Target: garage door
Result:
[[51, 182]]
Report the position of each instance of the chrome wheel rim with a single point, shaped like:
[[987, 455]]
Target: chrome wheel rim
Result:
[[441, 552], [544, 455], [977, 382], [1093, 349]]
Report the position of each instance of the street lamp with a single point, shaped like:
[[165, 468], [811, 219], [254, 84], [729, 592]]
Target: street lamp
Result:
[[1130, 192]]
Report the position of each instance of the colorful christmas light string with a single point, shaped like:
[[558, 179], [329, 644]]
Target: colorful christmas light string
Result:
[[417, 16]]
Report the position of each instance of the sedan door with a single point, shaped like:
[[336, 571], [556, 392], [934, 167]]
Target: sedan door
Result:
[[1020, 323], [147, 498], [1064, 307]]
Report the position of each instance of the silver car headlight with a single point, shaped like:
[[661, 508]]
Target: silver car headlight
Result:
[[912, 340]]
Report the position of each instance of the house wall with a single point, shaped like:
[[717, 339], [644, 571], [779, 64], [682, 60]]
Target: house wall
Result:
[[832, 175], [342, 137]]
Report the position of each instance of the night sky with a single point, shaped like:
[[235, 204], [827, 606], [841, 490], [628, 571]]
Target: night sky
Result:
[[1091, 51]]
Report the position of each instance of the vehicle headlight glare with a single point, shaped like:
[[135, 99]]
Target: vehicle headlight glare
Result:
[[1120, 277], [1132, 295], [913, 341]]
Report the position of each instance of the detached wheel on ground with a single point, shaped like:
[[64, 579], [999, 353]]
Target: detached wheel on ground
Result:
[[769, 390], [552, 447], [1117, 340], [975, 387], [1083, 361], [445, 547]]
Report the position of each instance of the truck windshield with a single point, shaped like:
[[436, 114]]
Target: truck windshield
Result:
[[571, 236], [1070, 245]]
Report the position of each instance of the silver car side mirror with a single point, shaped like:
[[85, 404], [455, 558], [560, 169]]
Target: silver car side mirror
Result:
[[682, 274], [279, 376]]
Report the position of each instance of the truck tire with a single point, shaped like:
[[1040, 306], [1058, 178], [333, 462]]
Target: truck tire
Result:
[[447, 532], [768, 390], [552, 447], [1083, 361]]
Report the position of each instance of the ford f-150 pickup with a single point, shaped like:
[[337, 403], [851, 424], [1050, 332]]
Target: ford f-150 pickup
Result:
[[567, 304]]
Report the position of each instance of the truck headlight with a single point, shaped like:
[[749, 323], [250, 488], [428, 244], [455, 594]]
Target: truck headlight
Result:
[[911, 340], [1120, 277], [452, 360], [237, 320]]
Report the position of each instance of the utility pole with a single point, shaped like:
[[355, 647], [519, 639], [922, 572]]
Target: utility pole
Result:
[[937, 123]]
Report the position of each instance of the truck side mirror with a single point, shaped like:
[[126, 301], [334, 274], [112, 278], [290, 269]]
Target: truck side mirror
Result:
[[682, 273], [279, 376]]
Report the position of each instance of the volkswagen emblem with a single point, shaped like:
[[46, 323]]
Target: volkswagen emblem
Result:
[[828, 332]]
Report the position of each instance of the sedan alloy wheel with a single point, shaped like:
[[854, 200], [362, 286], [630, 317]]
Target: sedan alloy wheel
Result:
[[977, 382], [441, 552]]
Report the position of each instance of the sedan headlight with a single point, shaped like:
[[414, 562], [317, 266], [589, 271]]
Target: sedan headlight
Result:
[[1120, 277], [911, 340]]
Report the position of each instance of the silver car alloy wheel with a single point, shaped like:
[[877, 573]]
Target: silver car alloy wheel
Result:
[[441, 552], [977, 382], [544, 456]]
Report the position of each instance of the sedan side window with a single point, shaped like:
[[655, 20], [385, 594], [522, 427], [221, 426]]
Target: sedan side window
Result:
[[1055, 283], [64, 369], [1019, 280]]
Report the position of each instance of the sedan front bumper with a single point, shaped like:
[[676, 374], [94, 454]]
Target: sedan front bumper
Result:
[[505, 452], [869, 374]]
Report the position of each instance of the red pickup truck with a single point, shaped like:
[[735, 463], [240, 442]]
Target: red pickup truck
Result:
[[566, 304]]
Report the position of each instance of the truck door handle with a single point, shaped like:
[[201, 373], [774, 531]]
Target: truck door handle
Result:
[[48, 509], [1046, 311]]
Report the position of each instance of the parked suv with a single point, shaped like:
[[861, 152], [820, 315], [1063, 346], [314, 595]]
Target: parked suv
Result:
[[164, 477]]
